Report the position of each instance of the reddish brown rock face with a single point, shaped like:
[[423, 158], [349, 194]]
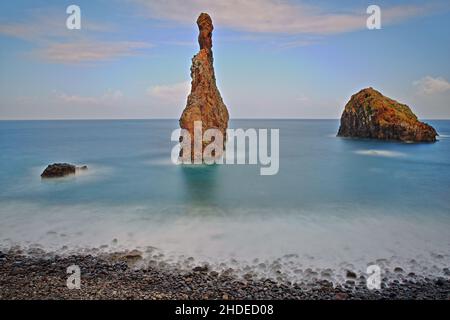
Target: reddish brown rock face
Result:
[[369, 114], [204, 103], [206, 28]]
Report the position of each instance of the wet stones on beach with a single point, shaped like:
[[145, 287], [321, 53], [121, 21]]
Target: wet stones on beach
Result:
[[351, 275], [28, 277], [203, 268], [129, 257], [398, 270]]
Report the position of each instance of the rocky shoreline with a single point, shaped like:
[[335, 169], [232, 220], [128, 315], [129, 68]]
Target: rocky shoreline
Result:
[[44, 277]]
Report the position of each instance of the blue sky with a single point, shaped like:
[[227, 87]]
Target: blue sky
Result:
[[273, 58]]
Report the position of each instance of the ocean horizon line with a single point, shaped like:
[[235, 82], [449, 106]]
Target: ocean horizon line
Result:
[[146, 119]]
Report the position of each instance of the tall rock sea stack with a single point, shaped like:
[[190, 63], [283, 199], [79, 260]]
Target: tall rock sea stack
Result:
[[369, 114], [204, 103]]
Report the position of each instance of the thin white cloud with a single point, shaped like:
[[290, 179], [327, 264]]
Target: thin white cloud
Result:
[[170, 94], [303, 99], [34, 30], [89, 51], [111, 96], [429, 85], [46, 25], [298, 43], [273, 16], [55, 43]]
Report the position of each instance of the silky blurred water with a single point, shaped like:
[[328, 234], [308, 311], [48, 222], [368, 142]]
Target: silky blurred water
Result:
[[335, 202]]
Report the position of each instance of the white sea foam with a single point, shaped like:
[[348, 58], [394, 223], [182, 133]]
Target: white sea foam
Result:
[[380, 153], [161, 161], [288, 241]]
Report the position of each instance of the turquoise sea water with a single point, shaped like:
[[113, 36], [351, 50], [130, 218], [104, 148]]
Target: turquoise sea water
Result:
[[335, 202]]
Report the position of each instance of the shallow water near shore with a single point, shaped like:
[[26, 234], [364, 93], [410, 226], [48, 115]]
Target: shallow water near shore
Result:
[[338, 204]]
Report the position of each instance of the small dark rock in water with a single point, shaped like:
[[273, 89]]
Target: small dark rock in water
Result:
[[350, 282], [440, 282], [325, 273], [351, 274], [133, 256], [58, 170], [398, 269], [133, 253], [200, 269], [248, 276]]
